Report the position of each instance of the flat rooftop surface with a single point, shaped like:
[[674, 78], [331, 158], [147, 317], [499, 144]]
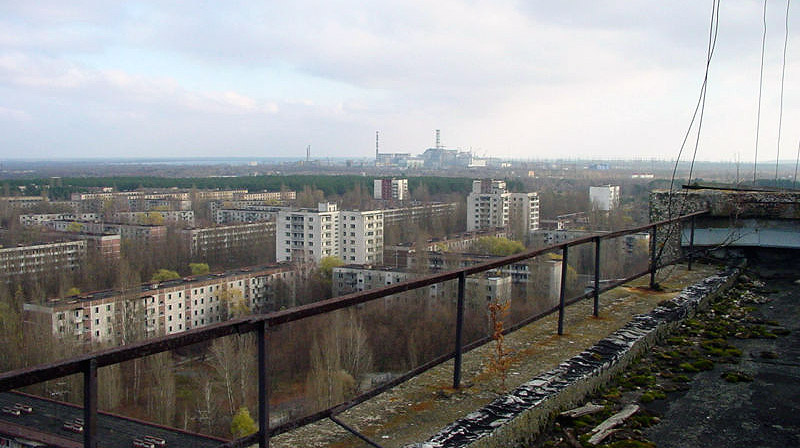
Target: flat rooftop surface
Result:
[[761, 413]]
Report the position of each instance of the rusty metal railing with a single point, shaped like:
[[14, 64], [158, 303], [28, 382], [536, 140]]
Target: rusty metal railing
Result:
[[88, 364]]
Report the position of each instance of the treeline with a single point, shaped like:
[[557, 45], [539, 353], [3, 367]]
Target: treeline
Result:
[[61, 189]]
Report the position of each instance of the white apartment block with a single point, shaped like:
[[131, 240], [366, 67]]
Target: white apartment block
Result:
[[388, 189], [111, 317], [490, 205], [361, 236], [604, 197], [307, 234], [524, 211]]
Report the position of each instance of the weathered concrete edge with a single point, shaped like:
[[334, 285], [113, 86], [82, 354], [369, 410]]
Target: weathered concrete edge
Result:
[[514, 420]]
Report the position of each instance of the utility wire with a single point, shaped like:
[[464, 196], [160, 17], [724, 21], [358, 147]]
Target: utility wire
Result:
[[783, 75], [796, 162], [709, 53], [699, 107], [712, 46], [760, 87]]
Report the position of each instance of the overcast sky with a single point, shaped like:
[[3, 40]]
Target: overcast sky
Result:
[[521, 79]]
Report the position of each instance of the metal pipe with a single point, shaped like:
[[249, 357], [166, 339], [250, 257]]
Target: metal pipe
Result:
[[653, 259], [353, 431], [564, 264], [691, 246], [90, 404], [596, 277], [263, 387], [462, 280]]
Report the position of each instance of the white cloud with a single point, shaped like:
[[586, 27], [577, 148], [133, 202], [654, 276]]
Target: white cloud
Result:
[[525, 79]]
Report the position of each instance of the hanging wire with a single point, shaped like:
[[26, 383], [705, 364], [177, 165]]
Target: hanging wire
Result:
[[796, 161], [783, 75], [699, 107], [712, 44], [760, 88], [704, 93]]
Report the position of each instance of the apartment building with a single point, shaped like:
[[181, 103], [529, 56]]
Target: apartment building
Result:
[[137, 232], [180, 217], [249, 214], [398, 255], [37, 259], [391, 189], [269, 196], [230, 238], [39, 219], [361, 237], [356, 278], [415, 213], [308, 234], [23, 202], [604, 197], [150, 310], [487, 205], [524, 212], [491, 205]]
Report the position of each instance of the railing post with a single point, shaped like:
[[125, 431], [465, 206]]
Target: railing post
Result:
[[564, 264], [90, 404], [263, 386], [596, 276], [462, 280], [653, 260], [691, 244]]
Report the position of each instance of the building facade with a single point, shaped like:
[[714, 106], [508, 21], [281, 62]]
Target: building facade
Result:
[[491, 205], [604, 197], [391, 189], [116, 317], [361, 237], [230, 238], [307, 234], [30, 261]]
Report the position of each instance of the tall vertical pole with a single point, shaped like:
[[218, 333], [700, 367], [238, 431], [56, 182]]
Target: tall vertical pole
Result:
[[462, 280], [263, 386], [596, 276], [691, 244], [564, 264], [90, 404], [653, 260]]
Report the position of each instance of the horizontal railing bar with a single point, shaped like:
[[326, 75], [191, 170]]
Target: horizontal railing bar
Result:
[[31, 375]]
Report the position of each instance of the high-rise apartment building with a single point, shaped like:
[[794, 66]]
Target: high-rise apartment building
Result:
[[487, 205], [308, 234], [388, 189], [361, 236], [604, 197], [490, 205]]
